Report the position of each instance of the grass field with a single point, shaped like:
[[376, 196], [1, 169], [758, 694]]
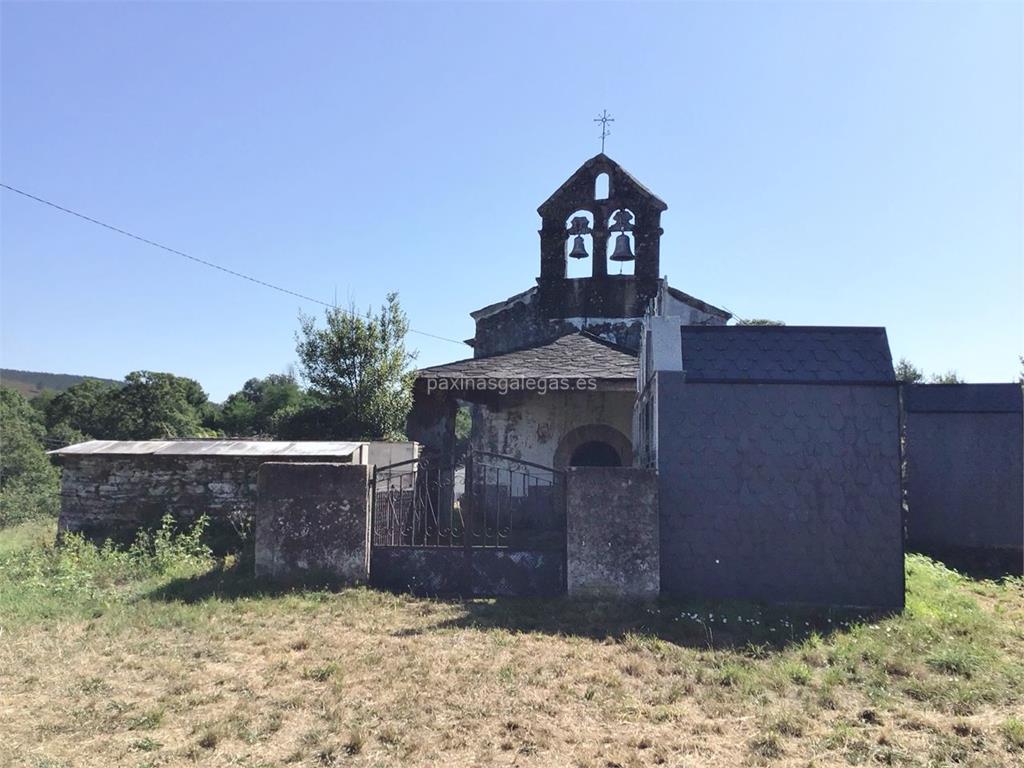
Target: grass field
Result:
[[165, 657]]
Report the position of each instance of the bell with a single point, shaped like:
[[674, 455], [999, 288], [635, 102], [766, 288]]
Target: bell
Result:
[[579, 250], [622, 250]]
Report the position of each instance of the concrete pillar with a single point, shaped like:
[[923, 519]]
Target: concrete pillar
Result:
[[313, 522], [612, 532]]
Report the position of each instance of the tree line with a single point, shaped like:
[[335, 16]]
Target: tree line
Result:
[[355, 382]]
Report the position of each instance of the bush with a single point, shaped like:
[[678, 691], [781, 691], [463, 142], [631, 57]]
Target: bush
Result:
[[29, 483], [20, 502], [76, 574]]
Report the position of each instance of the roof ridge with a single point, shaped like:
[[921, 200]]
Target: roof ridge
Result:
[[584, 333], [787, 328]]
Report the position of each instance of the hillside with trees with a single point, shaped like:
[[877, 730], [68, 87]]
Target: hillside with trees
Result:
[[32, 383], [359, 376]]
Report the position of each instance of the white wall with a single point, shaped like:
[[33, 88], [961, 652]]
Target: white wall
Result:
[[382, 453], [531, 426]]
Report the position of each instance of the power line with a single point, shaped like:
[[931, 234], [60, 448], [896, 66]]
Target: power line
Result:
[[204, 262]]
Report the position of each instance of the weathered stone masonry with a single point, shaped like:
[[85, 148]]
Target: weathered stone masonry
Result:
[[612, 546], [312, 521], [110, 495]]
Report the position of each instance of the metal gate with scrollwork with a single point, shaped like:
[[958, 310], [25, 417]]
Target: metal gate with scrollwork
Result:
[[491, 525]]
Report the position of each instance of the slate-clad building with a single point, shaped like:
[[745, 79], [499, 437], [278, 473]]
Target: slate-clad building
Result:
[[778, 456], [965, 472]]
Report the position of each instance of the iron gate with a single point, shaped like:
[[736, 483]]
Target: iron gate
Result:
[[491, 525]]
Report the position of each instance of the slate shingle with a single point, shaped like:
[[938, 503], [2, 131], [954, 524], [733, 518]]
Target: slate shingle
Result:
[[786, 353], [963, 398], [577, 355]]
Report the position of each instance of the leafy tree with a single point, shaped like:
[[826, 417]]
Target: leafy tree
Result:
[[908, 373], [463, 429], [759, 321], [312, 420], [83, 409], [156, 405], [359, 372], [949, 377], [254, 410], [63, 434], [29, 483]]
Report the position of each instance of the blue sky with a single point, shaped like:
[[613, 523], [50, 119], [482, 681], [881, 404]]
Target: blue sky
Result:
[[823, 163]]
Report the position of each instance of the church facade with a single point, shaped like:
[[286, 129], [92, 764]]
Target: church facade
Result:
[[774, 451], [552, 379]]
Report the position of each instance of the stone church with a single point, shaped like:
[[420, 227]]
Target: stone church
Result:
[[553, 376], [625, 441]]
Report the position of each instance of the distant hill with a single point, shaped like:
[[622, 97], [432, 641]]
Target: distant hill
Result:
[[31, 383]]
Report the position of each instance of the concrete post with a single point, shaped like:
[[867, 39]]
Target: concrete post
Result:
[[612, 537], [313, 521]]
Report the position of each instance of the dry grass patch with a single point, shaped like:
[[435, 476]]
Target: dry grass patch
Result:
[[192, 664]]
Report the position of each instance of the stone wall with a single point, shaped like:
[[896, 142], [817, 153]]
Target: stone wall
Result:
[[780, 492], [520, 322], [965, 470], [110, 496], [612, 537], [476, 572], [312, 521]]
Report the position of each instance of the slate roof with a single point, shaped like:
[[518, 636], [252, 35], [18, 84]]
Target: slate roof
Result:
[[327, 449], [963, 398], [786, 353], [577, 355]]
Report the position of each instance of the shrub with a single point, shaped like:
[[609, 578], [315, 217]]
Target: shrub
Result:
[[29, 484], [77, 575]]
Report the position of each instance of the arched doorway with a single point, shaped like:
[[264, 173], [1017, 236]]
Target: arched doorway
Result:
[[594, 445], [595, 453]]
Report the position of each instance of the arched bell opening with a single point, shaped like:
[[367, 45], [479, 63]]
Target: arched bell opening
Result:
[[602, 186], [579, 243]]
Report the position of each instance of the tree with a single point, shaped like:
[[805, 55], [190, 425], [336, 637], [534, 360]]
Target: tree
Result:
[[156, 405], [82, 409], [908, 373], [359, 373], [255, 409], [949, 377], [759, 321], [29, 483]]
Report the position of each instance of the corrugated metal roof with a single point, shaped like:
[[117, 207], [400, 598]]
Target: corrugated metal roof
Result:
[[210, 448]]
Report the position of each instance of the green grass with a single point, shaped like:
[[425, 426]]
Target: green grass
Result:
[[161, 654], [40, 580]]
